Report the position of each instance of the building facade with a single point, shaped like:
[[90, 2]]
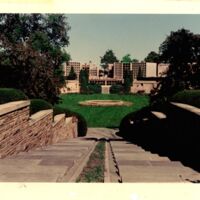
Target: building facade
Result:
[[117, 71], [145, 75], [139, 70], [75, 65], [143, 86]]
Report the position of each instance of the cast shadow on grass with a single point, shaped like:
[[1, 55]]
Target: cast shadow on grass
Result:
[[175, 136]]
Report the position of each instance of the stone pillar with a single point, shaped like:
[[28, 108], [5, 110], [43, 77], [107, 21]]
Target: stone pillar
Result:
[[105, 89]]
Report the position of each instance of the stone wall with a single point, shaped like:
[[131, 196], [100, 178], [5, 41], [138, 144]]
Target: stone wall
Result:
[[143, 86], [71, 86], [21, 132]]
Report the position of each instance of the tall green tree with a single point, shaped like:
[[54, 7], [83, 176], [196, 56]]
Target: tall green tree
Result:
[[126, 59], [72, 74], [152, 57], [128, 81], [32, 49], [84, 80], [181, 49], [108, 58]]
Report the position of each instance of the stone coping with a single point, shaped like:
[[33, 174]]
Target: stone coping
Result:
[[159, 115], [102, 103], [39, 115], [68, 119], [58, 118], [187, 107], [12, 106]]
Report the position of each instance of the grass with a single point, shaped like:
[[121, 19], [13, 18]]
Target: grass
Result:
[[103, 116], [94, 170]]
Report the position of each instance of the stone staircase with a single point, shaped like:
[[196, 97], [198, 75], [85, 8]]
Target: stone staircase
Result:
[[134, 164], [55, 163], [124, 162]]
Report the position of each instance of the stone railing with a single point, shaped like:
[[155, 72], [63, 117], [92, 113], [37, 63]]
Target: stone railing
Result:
[[21, 132]]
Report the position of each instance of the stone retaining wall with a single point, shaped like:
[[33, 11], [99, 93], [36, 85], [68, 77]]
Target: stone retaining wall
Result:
[[21, 132]]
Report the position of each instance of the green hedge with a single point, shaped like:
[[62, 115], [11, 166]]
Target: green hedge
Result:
[[116, 89], [39, 104], [191, 97], [82, 124], [11, 94], [94, 88]]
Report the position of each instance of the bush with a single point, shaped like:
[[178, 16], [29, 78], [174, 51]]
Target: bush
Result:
[[191, 97], [11, 94], [39, 104], [82, 124], [116, 89], [136, 116], [94, 88]]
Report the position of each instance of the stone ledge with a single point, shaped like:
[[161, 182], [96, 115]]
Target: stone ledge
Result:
[[12, 106], [39, 115], [187, 107], [68, 120], [58, 118], [159, 115]]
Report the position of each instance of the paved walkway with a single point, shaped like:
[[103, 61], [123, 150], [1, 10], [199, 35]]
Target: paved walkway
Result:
[[63, 162], [56, 163]]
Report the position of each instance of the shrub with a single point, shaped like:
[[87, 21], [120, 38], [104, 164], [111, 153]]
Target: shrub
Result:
[[11, 94], [116, 89], [82, 124], [191, 97], [136, 116], [94, 88], [39, 104]]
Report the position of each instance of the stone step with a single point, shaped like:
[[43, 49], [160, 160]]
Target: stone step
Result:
[[139, 156], [137, 165], [46, 164], [148, 163]]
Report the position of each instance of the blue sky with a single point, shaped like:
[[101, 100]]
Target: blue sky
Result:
[[137, 34]]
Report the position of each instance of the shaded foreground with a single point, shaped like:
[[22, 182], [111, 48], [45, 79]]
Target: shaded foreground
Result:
[[124, 162], [171, 130]]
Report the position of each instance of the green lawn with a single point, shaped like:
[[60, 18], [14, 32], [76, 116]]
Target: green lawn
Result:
[[103, 116]]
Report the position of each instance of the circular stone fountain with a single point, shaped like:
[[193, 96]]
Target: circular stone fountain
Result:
[[105, 103]]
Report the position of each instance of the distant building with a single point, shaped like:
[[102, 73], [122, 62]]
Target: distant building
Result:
[[126, 67], [85, 66], [71, 86], [151, 69], [75, 65], [143, 86], [146, 75], [93, 72], [162, 69], [117, 70], [138, 68]]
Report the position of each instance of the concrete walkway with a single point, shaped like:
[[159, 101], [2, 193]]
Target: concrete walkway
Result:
[[56, 163], [63, 162]]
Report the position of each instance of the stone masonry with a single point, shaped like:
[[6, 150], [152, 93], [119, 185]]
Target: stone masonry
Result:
[[21, 132]]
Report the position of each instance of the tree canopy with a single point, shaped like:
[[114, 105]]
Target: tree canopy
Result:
[[152, 57], [72, 74], [126, 59], [108, 58], [32, 52], [181, 49], [135, 60]]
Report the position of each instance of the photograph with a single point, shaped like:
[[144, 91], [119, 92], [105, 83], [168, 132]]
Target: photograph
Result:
[[111, 100]]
